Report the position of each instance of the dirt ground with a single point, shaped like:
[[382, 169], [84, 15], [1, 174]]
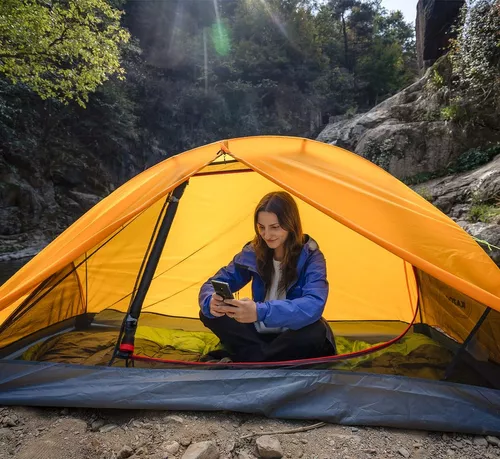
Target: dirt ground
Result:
[[55, 433]]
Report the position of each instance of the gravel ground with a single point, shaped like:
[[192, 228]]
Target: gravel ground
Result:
[[54, 433]]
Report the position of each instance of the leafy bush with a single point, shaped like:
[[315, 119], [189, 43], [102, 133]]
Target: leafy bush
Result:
[[474, 158], [437, 80], [476, 50], [451, 113], [484, 213]]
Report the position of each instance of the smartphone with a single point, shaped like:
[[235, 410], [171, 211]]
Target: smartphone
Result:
[[222, 289]]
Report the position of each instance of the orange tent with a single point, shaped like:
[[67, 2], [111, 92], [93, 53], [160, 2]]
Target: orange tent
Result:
[[387, 248]]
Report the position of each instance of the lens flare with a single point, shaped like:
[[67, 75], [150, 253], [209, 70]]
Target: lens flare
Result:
[[220, 35], [274, 18]]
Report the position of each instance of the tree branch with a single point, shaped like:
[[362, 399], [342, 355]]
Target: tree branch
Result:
[[287, 431]]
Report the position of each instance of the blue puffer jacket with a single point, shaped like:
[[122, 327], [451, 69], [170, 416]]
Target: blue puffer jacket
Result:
[[305, 298]]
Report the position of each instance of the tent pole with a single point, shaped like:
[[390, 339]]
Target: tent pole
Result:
[[462, 348], [126, 347]]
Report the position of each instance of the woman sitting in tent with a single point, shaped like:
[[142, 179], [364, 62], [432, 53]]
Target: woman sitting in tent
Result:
[[289, 288]]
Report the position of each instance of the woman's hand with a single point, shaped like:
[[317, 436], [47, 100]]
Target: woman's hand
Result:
[[217, 306], [244, 310]]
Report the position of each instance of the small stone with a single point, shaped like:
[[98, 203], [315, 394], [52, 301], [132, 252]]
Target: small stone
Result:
[[231, 445], [418, 444], [8, 421], [370, 451], [354, 429], [172, 448], [186, 441], [404, 452], [467, 441], [449, 452], [125, 452], [107, 428], [140, 451], [6, 434], [245, 455], [269, 447], [303, 441], [445, 437], [493, 440], [201, 450], [175, 418], [480, 441], [64, 412]]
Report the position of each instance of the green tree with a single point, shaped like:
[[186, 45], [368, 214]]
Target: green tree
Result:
[[340, 10], [62, 49]]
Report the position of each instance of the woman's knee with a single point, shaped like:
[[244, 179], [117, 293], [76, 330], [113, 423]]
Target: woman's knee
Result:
[[314, 335]]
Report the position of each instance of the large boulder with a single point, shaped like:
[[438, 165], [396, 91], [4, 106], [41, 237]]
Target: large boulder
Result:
[[434, 22], [408, 134]]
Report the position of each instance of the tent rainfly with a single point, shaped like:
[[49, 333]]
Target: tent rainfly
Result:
[[107, 314]]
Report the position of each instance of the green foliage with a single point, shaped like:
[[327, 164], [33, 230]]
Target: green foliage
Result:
[[451, 112], [194, 74], [437, 80], [376, 47], [475, 59], [60, 49], [484, 213], [474, 158], [476, 50], [425, 193]]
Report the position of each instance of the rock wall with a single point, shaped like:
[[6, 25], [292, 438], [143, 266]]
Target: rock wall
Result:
[[433, 29], [42, 195], [406, 134]]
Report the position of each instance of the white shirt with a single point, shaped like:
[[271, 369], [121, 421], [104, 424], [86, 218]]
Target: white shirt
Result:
[[273, 294]]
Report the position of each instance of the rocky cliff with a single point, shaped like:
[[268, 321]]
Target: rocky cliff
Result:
[[434, 27], [44, 193], [410, 133]]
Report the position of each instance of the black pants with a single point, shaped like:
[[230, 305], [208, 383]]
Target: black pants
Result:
[[245, 344]]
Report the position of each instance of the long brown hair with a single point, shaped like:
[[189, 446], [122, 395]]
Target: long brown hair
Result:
[[284, 206]]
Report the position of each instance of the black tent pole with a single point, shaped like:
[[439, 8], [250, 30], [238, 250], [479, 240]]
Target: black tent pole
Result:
[[463, 347], [126, 347]]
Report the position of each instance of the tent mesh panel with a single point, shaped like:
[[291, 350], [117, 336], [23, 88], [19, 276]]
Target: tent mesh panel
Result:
[[57, 299], [456, 314]]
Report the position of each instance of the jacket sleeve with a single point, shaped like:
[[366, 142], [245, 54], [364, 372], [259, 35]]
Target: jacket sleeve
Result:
[[234, 274], [303, 311]]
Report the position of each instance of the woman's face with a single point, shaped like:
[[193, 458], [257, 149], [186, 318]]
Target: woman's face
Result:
[[270, 230]]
